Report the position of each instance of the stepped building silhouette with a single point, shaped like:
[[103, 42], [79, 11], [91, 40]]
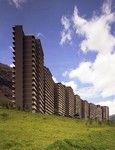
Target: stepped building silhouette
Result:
[[33, 88]]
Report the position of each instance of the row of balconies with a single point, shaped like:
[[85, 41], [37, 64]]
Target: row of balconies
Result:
[[48, 106], [49, 111]]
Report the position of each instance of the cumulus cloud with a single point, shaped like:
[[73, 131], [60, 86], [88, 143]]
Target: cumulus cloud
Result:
[[96, 31], [106, 8], [100, 74], [66, 34], [17, 3], [97, 35], [88, 92], [110, 104]]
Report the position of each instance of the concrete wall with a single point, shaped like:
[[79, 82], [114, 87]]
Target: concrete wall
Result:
[[92, 111], [69, 102], [60, 99], [48, 92], [78, 105], [85, 109]]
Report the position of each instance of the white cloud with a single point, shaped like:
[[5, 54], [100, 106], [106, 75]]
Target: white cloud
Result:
[[55, 80], [40, 34], [65, 73], [106, 8], [65, 22], [110, 104], [66, 34], [88, 92], [100, 73], [96, 32], [72, 84], [17, 3]]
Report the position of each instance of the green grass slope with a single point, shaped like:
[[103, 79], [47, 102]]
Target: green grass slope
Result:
[[27, 131]]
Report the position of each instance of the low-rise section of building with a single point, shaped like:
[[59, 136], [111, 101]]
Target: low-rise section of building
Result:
[[85, 109], [48, 92], [77, 106], [60, 97], [105, 113], [69, 102]]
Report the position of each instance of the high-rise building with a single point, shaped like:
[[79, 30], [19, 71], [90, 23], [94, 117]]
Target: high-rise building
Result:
[[105, 113], [92, 111], [85, 109], [59, 99], [69, 102], [28, 84], [48, 92], [77, 106], [33, 88], [98, 113]]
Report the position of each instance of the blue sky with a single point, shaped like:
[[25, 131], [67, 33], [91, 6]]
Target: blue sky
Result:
[[78, 38]]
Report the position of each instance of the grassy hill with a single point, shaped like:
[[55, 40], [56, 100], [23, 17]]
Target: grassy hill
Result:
[[27, 131]]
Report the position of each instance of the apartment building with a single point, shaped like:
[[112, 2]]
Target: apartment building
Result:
[[105, 113], [60, 97], [28, 73], [33, 88], [77, 106], [85, 109], [92, 111], [98, 113], [48, 92], [69, 102]]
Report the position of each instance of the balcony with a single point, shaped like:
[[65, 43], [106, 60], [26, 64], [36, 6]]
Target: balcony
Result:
[[13, 28], [14, 57], [13, 76], [14, 38], [13, 42], [13, 71], [13, 91], [13, 52], [13, 33]]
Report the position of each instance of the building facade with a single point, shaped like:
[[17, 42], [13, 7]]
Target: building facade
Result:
[[105, 113], [98, 113], [33, 88], [27, 71], [60, 97], [85, 109], [77, 106], [92, 111], [69, 102], [48, 92]]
